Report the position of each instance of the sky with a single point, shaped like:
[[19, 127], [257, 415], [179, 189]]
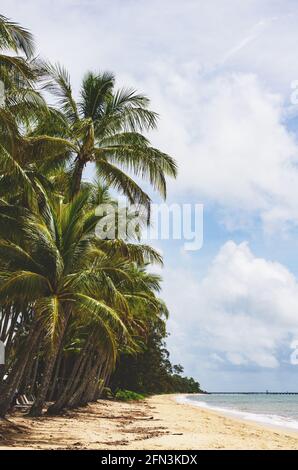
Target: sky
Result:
[[223, 77]]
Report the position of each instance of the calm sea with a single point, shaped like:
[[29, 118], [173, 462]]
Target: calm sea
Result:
[[274, 410]]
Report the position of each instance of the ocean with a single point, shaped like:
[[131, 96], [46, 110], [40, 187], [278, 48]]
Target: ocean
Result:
[[271, 409]]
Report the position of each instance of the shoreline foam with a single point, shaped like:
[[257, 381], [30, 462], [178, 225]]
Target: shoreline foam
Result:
[[268, 420]]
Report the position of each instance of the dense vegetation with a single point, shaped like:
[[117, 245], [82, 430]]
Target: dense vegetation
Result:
[[150, 371], [73, 305]]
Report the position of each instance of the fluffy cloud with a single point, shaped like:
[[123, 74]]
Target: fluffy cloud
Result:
[[233, 147], [241, 313], [219, 74]]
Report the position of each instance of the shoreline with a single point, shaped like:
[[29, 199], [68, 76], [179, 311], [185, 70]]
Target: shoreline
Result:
[[238, 415], [159, 422]]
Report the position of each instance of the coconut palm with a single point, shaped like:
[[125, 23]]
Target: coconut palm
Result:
[[106, 127], [15, 68], [70, 302], [128, 291], [44, 272], [54, 266], [27, 158]]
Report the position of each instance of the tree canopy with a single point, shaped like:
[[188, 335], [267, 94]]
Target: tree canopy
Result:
[[73, 307]]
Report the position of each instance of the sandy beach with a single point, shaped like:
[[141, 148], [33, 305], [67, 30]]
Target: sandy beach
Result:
[[156, 423]]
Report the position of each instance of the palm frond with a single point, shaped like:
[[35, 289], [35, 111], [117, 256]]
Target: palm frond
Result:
[[57, 82], [116, 178], [94, 93], [50, 311], [144, 161], [9, 165], [22, 286], [15, 37], [98, 310]]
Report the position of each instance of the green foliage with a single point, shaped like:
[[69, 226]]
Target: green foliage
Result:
[[128, 395], [150, 371], [71, 305]]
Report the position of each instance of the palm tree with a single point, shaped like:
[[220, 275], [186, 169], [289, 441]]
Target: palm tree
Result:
[[70, 303], [53, 265], [106, 128], [15, 69], [27, 158], [25, 155], [95, 350]]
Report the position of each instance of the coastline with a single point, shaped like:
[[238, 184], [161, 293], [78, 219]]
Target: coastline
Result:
[[159, 422], [263, 420]]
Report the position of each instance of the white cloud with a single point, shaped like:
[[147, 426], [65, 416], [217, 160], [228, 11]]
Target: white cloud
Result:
[[242, 312], [218, 73], [232, 146]]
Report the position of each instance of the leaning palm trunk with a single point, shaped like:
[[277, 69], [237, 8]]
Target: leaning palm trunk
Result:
[[91, 382], [56, 373], [101, 379], [26, 379], [87, 390], [31, 388], [15, 376], [72, 382], [105, 378], [77, 176], [75, 399], [37, 407], [92, 389]]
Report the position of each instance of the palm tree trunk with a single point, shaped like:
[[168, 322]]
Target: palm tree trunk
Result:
[[77, 176], [56, 373], [76, 397], [9, 388], [72, 382], [34, 376], [105, 377], [27, 373], [92, 381], [95, 386], [37, 407]]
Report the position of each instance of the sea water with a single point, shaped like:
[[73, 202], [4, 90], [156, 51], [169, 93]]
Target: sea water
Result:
[[271, 409]]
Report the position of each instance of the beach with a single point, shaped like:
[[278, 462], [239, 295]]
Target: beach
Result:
[[158, 423]]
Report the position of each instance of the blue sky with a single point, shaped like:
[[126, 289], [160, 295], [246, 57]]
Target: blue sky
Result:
[[220, 74]]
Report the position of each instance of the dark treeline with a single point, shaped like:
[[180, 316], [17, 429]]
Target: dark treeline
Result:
[[150, 371], [72, 304]]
